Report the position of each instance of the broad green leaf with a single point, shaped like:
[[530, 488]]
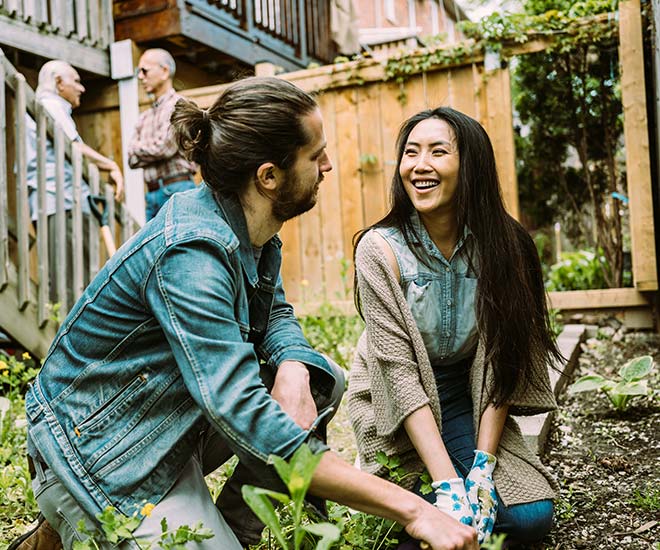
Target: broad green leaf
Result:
[[282, 467], [636, 368], [280, 497], [328, 532], [263, 509], [589, 382], [639, 387]]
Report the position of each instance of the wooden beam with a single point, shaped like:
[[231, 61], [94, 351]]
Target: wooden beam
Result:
[[28, 38], [597, 299], [500, 129], [638, 162]]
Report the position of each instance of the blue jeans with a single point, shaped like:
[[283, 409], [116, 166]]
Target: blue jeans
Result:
[[156, 199], [523, 523]]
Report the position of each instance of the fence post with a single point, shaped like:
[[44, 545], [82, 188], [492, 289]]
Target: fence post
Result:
[[635, 130]]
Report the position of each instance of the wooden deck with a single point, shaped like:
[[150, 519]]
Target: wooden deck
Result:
[[76, 31], [289, 33]]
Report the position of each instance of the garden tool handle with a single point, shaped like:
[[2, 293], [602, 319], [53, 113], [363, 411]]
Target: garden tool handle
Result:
[[96, 201]]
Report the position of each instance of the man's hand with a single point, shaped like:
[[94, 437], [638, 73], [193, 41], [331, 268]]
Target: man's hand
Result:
[[291, 390], [439, 531], [117, 178]]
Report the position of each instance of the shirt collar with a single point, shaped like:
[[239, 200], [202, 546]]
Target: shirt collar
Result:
[[57, 98], [428, 243], [232, 212], [169, 93]]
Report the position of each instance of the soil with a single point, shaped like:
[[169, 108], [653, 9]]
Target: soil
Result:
[[607, 463]]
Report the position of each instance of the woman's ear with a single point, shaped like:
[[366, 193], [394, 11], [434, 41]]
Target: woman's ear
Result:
[[269, 176]]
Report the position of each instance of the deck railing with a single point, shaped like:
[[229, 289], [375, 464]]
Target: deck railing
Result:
[[299, 29], [87, 21], [24, 259]]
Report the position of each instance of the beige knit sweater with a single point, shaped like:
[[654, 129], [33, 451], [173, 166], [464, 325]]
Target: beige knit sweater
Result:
[[391, 377]]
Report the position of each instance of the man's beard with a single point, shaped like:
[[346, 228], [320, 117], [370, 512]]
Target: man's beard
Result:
[[292, 201]]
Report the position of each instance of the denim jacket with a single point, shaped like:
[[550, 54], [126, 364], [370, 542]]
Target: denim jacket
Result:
[[441, 295], [166, 342]]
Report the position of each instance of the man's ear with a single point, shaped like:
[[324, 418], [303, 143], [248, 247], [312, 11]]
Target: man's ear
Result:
[[268, 176], [58, 81]]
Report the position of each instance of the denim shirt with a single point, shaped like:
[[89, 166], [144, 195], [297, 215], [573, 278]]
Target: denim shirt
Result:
[[165, 343], [441, 295]]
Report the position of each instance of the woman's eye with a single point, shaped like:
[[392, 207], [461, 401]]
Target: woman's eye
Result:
[[410, 151], [439, 152]]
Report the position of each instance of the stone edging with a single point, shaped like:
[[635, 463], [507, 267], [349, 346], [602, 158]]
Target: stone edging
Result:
[[535, 428]]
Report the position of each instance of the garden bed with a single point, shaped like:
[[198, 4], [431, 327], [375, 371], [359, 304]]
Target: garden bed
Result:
[[607, 462]]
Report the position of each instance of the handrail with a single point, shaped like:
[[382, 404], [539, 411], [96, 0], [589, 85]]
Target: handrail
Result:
[[86, 21], [19, 225]]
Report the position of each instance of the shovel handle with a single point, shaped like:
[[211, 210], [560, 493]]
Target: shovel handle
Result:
[[95, 203], [108, 241]]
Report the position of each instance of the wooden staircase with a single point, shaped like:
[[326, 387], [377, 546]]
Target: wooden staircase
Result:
[[26, 315]]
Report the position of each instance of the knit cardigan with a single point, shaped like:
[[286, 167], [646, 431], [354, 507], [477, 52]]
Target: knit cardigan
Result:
[[391, 377]]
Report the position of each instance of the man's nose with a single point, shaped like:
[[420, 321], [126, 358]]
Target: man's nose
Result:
[[326, 165]]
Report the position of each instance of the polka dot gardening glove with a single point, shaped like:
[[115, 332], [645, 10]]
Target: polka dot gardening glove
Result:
[[481, 493], [451, 499]]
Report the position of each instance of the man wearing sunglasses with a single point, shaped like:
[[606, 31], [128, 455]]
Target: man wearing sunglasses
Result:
[[152, 148]]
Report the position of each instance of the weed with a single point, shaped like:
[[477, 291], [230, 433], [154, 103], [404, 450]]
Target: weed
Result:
[[647, 499]]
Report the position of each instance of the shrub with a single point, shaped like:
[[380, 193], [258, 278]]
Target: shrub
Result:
[[581, 270]]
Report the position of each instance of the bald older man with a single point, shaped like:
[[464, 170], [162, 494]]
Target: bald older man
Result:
[[152, 148], [59, 91]]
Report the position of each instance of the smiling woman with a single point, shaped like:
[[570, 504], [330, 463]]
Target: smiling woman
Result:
[[450, 286]]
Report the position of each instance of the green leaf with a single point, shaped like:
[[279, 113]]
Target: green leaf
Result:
[[636, 368], [280, 497], [589, 382], [328, 532], [381, 458], [639, 387], [263, 509]]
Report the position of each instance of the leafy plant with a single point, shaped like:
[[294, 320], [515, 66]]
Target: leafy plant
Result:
[[332, 332], [631, 382], [397, 473], [647, 499], [581, 270], [16, 373], [116, 527], [297, 476]]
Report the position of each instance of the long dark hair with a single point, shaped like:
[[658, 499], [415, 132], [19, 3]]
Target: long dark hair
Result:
[[512, 315], [253, 121]]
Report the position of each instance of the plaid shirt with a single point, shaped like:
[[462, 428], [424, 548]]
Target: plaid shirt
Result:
[[153, 147]]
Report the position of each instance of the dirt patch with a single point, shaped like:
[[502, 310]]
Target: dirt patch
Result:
[[608, 463]]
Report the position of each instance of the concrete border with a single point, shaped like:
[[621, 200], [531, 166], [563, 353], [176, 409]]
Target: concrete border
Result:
[[535, 428]]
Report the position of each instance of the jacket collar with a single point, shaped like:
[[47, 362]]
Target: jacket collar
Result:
[[232, 212]]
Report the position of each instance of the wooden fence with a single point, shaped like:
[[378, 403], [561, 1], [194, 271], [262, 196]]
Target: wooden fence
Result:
[[362, 112]]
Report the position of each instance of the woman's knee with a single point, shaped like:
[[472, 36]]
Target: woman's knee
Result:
[[525, 523]]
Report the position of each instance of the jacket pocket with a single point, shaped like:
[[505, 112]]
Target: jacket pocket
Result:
[[115, 405]]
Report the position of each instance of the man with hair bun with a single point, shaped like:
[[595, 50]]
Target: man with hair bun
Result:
[[183, 351], [152, 148]]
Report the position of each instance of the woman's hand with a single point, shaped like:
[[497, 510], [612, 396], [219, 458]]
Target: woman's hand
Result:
[[452, 499], [481, 493]]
